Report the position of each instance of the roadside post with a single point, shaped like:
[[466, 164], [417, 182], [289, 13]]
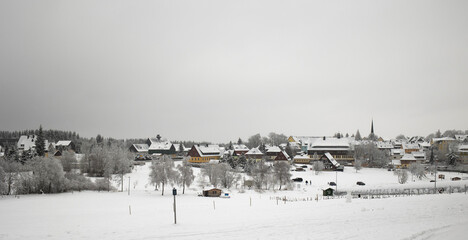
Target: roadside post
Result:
[[174, 193]]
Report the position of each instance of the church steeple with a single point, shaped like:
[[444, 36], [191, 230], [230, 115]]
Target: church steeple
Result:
[[372, 127]]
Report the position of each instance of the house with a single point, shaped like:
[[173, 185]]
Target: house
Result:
[[339, 148], [240, 149], [409, 159], [161, 147], [282, 156], [461, 138], [442, 144], [215, 192], [254, 153], [302, 159], [65, 145], [396, 154], [330, 163], [420, 156], [385, 147], [203, 154], [139, 148], [272, 152], [28, 143], [463, 154], [411, 147]]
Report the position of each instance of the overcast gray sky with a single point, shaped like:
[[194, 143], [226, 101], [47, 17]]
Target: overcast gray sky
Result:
[[219, 70]]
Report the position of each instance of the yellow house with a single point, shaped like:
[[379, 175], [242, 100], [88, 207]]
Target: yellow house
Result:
[[204, 154]]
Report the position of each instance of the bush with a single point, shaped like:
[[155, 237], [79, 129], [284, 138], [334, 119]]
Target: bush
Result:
[[76, 182]]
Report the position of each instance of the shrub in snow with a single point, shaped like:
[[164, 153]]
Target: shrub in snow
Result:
[[402, 176]]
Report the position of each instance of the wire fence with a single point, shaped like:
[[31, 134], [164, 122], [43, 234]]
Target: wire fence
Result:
[[375, 194]]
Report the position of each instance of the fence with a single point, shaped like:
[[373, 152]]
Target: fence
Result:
[[377, 194]]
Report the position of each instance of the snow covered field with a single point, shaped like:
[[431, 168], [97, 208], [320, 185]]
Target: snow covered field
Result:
[[248, 215]]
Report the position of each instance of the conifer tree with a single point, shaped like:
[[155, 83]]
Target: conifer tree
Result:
[[358, 135], [40, 143]]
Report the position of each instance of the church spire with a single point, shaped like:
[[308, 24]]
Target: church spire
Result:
[[372, 127]]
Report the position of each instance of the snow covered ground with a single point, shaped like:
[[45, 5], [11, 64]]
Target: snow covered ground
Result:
[[248, 215]]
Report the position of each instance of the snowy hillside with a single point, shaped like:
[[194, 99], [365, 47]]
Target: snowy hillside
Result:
[[145, 214]]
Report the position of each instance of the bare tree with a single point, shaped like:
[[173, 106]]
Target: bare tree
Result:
[[260, 172], [402, 176], [281, 172], [318, 167], [11, 169], [186, 174], [357, 165], [226, 175], [68, 160], [162, 172]]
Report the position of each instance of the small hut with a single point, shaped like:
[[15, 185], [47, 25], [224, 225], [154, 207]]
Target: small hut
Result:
[[215, 192], [328, 192]]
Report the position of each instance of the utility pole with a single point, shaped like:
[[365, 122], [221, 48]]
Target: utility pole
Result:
[[174, 193], [128, 186], [336, 179]]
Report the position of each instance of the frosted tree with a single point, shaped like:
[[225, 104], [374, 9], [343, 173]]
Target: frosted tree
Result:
[[3, 185], [402, 176], [318, 167], [121, 164], [186, 174], [357, 165], [225, 174], [11, 169], [162, 173], [68, 161], [254, 141], [260, 172], [416, 169], [48, 175], [281, 172]]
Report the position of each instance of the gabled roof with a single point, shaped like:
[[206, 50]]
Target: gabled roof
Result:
[[273, 149], [331, 159], [435, 140], [254, 151], [210, 150], [160, 145], [396, 151], [411, 146], [384, 145], [240, 147], [461, 137], [408, 157], [141, 147], [63, 143], [330, 144]]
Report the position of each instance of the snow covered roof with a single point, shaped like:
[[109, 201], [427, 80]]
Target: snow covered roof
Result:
[[330, 144], [286, 155], [408, 157], [424, 144], [461, 137], [27, 142], [384, 145], [240, 147], [397, 151], [463, 148], [210, 150], [305, 156], [141, 147], [411, 146], [396, 162], [332, 160], [273, 149], [160, 145], [434, 140], [63, 143], [254, 151]]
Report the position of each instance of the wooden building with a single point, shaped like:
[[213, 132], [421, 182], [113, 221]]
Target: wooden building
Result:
[[215, 192], [204, 154]]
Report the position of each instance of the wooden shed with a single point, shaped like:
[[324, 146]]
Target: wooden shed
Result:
[[456, 179], [328, 192], [215, 192]]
